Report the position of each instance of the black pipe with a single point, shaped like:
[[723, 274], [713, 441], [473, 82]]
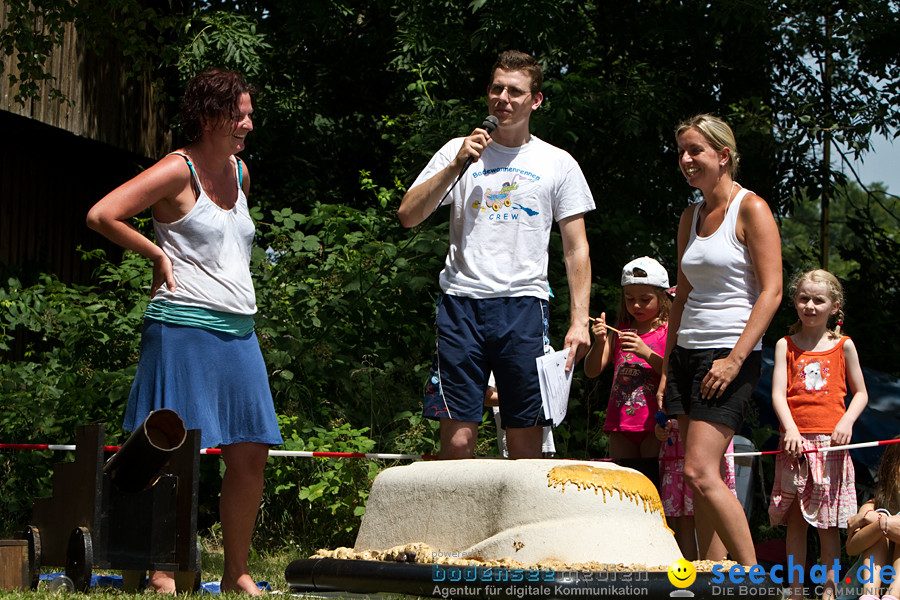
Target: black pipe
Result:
[[137, 463], [470, 582]]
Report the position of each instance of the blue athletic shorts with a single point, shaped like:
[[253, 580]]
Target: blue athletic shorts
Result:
[[475, 337]]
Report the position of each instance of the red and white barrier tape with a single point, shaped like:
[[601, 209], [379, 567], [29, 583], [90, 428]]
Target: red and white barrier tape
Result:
[[814, 450], [387, 456], [215, 451]]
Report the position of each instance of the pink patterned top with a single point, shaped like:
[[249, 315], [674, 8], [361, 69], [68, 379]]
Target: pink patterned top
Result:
[[632, 400]]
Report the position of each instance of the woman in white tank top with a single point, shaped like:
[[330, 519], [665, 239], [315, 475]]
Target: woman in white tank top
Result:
[[729, 287], [200, 318]]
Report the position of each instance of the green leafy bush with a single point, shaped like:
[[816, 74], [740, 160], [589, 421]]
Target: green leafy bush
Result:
[[318, 502], [341, 312], [76, 351]]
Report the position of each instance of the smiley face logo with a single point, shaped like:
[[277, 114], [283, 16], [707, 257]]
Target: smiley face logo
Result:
[[682, 573]]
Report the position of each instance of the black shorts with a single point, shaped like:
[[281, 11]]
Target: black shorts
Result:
[[687, 368]]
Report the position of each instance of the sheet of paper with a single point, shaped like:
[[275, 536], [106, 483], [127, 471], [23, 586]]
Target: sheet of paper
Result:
[[555, 384]]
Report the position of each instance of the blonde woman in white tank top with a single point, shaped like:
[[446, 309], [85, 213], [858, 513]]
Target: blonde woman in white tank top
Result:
[[739, 279]]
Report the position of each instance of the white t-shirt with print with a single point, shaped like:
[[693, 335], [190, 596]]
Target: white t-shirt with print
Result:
[[502, 211]]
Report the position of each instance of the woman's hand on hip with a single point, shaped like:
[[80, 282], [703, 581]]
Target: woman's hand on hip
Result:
[[719, 376], [162, 274]]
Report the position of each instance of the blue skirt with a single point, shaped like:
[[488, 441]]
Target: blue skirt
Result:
[[216, 382]]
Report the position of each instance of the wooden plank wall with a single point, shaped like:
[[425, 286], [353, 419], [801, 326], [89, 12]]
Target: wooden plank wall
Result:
[[102, 105], [60, 158], [48, 180]]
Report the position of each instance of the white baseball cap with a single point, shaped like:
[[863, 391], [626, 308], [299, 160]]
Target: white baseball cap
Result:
[[647, 271]]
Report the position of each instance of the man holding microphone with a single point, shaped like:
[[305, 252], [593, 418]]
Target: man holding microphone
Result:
[[505, 188]]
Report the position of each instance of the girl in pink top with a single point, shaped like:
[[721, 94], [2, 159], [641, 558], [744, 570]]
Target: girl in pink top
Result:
[[809, 385], [636, 348]]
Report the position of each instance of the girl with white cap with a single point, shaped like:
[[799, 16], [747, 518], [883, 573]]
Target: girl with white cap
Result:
[[636, 347]]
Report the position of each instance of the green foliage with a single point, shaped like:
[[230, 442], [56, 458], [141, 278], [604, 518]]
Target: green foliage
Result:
[[318, 502], [79, 348], [225, 39], [128, 28], [871, 318], [32, 32], [148, 41], [801, 232], [864, 226], [340, 312]]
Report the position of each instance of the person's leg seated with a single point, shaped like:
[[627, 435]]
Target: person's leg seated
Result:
[[714, 504], [525, 442], [893, 590], [242, 488], [458, 439], [892, 551], [877, 554]]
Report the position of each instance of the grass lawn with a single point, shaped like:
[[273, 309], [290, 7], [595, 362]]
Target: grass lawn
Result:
[[263, 566]]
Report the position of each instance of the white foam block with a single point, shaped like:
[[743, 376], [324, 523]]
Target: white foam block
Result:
[[529, 511]]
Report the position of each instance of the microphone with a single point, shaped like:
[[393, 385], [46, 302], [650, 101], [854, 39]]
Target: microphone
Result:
[[489, 124]]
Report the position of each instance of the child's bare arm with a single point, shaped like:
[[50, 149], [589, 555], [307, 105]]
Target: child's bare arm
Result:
[[843, 431], [598, 355], [793, 441], [863, 529]]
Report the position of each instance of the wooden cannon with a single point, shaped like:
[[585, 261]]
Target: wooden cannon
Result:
[[138, 512]]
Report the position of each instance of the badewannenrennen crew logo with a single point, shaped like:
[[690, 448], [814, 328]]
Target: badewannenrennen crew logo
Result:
[[502, 204]]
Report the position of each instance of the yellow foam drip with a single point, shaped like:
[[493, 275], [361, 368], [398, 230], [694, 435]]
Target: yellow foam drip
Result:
[[630, 484]]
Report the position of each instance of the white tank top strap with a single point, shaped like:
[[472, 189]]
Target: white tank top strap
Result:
[[238, 168], [731, 216], [694, 218], [193, 172], [730, 219]]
